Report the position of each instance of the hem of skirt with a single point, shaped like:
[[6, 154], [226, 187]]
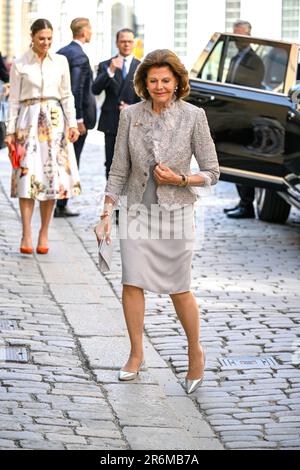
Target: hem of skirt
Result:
[[140, 286], [47, 199]]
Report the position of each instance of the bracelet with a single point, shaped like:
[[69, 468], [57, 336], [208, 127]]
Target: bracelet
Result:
[[104, 214], [107, 210], [108, 205], [184, 182]]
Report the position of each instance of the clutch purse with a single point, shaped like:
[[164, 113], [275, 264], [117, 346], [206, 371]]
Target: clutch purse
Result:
[[105, 255], [16, 152]]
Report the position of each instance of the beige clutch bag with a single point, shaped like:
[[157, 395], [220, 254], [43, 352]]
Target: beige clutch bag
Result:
[[105, 256]]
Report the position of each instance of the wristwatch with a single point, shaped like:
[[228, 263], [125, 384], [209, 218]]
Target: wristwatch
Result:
[[184, 181]]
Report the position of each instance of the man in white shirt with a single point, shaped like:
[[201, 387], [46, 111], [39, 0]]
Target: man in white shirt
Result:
[[115, 77]]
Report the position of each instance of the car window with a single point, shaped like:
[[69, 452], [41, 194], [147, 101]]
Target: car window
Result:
[[275, 61], [247, 62], [210, 70]]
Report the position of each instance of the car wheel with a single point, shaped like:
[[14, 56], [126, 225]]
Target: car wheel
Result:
[[271, 207]]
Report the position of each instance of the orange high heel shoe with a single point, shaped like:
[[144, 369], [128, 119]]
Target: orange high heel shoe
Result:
[[26, 251], [41, 250]]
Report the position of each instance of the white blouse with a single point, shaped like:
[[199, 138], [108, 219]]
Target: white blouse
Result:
[[32, 78]]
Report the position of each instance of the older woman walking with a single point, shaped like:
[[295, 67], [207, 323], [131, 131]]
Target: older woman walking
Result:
[[41, 129], [151, 166]]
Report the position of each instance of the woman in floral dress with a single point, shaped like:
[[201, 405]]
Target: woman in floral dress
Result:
[[41, 129]]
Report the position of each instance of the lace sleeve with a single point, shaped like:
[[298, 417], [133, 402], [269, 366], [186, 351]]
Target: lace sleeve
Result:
[[204, 150], [120, 167], [113, 196]]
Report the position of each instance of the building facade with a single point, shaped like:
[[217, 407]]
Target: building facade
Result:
[[185, 26], [106, 16], [180, 25]]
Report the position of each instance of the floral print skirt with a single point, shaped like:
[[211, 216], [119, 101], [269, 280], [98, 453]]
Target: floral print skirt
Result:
[[48, 168]]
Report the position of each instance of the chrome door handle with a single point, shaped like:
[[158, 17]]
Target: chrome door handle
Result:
[[293, 116], [205, 98]]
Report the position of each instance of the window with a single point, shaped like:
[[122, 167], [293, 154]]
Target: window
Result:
[[211, 68], [232, 13], [63, 21], [275, 61], [290, 20], [180, 27], [241, 61], [139, 28], [33, 6], [100, 28]]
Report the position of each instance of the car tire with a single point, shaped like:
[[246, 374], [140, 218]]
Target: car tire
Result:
[[271, 207]]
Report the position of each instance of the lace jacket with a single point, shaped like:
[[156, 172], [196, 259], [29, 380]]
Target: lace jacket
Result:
[[185, 132]]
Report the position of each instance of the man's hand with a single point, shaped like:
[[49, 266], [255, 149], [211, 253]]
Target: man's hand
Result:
[[164, 175], [123, 105], [116, 63], [81, 128]]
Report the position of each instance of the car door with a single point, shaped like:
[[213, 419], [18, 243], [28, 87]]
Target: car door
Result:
[[249, 122]]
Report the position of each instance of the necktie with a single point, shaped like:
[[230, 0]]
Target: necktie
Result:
[[234, 64], [124, 71], [229, 75]]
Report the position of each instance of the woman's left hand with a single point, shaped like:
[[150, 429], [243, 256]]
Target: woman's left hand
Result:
[[73, 134], [164, 175]]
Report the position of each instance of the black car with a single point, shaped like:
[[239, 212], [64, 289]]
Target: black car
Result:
[[254, 116]]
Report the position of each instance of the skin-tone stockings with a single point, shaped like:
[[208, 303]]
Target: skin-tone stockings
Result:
[[188, 313]]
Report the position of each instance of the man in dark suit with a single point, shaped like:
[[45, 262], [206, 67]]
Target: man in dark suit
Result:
[[4, 75], [246, 68], [81, 82], [115, 77], [4, 90]]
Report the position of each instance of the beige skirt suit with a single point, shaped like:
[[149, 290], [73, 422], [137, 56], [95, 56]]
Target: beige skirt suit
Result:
[[156, 225]]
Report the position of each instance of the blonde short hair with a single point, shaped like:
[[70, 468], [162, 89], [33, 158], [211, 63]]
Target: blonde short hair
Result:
[[78, 24], [161, 58]]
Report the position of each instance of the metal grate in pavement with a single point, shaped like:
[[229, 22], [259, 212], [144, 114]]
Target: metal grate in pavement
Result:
[[13, 354], [248, 362], [8, 324]]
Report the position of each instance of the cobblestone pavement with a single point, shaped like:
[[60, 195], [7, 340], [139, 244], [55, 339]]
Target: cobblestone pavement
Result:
[[246, 280], [54, 401], [61, 311]]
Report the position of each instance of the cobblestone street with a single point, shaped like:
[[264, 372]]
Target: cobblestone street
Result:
[[68, 317]]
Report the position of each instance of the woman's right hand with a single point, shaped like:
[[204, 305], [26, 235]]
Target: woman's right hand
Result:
[[73, 134], [5, 91], [10, 139], [103, 229]]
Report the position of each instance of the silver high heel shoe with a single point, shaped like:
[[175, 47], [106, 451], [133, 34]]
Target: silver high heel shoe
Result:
[[192, 385], [126, 375]]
